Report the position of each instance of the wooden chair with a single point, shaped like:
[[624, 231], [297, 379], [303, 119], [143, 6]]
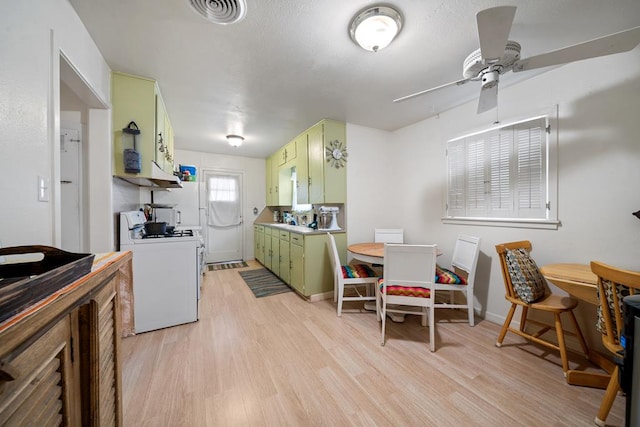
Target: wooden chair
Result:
[[461, 276], [349, 277], [547, 302], [408, 280], [613, 285]]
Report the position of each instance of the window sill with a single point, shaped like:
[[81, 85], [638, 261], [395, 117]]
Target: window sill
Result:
[[505, 222]]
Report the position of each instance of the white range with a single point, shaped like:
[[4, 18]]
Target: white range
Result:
[[167, 273]]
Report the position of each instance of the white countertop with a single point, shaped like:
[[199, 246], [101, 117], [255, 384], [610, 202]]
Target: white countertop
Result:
[[302, 229]]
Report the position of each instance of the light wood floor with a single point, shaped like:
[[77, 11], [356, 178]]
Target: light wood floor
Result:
[[279, 361]]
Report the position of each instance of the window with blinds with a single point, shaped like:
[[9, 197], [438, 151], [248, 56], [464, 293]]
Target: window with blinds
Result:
[[501, 173]]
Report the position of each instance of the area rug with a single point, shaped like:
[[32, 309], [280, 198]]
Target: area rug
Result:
[[227, 265], [264, 283]]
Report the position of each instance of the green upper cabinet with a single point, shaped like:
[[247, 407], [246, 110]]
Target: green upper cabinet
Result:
[[164, 137], [287, 153], [269, 180], [327, 183], [138, 99], [318, 178], [302, 169]]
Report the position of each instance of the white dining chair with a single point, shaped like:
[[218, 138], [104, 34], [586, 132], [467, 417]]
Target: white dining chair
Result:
[[408, 281], [460, 277], [388, 235], [352, 277]]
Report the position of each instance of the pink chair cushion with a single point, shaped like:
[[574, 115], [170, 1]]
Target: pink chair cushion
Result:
[[449, 277], [357, 271], [405, 291]]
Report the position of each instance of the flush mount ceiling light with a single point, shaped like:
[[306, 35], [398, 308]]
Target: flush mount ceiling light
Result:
[[220, 11], [235, 140], [374, 27]]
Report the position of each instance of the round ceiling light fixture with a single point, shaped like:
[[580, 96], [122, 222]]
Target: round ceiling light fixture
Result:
[[374, 27], [235, 140]]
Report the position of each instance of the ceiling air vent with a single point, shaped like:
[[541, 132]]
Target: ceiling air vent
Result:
[[220, 11]]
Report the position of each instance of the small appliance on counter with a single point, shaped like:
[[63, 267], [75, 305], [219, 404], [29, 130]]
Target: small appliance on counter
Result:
[[328, 219], [169, 215]]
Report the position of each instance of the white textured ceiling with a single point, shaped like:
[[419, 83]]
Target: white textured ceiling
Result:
[[290, 63]]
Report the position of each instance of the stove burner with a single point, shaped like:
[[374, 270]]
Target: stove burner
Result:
[[174, 233]]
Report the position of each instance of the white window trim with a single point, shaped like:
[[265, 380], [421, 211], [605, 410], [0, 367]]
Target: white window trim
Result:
[[551, 222]]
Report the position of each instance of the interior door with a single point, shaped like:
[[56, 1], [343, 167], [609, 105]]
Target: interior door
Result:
[[224, 239], [70, 188]]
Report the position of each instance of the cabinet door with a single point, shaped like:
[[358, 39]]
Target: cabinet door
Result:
[[335, 179], [282, 156], [285, 186], [256, 241], [275, 253], [269, 180], [316, 164], [160, 134], [42, 390], [297, 262], [291, 150], [99, 325], [302, 169], [268, 259], [133, 98], [274, 181], [285, 264], [168, 155], [260, 245]]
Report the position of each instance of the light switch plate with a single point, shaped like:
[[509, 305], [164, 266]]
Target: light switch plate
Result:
[[43, 189]]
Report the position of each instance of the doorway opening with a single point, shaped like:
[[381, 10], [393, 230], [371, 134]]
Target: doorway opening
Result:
[[80, 109]]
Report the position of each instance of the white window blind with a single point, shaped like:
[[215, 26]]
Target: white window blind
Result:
[[500, 173]]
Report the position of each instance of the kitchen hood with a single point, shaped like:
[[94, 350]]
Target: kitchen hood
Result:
[[158, 179]]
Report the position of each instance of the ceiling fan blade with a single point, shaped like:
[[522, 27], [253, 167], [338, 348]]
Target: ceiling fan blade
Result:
[[488, 99], [607, 45], [494, 26], [413, 95]]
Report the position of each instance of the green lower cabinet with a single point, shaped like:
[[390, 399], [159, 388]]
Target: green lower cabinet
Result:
[[259, 239], [311, 271], [285, 264], [275, 252], [297, 263], [267, 248], [300, 260]]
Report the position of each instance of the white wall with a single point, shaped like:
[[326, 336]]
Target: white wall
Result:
[[32, 36], [370, 194], [599, 172], [254, 191]]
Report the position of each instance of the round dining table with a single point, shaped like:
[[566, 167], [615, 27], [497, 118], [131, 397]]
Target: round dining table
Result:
[[373, 253], [576, 279]]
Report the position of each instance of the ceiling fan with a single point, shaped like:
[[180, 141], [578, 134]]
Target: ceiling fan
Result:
[[497, 54]]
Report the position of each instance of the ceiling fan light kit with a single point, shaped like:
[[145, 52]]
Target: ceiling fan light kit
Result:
[[497, 54], [375, 27]]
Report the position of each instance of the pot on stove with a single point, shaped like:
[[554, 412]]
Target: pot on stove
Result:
[[153, 228]]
